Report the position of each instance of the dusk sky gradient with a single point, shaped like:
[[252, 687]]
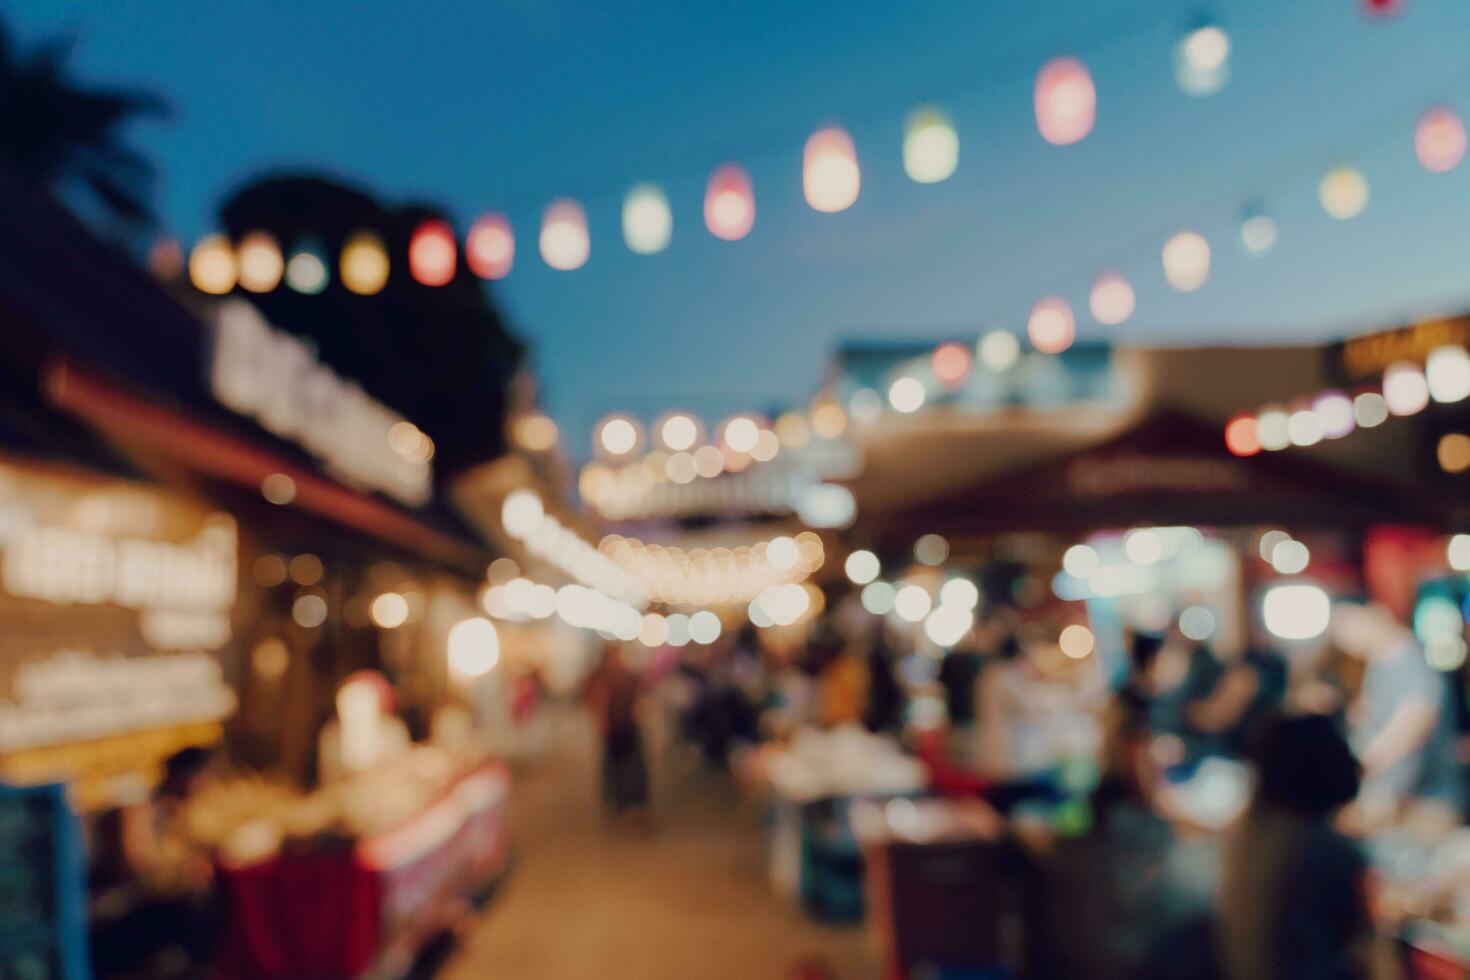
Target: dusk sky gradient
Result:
[[505, 106]]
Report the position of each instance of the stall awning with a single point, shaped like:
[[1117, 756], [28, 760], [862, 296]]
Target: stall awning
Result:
[[1170, 468], [130, 420]]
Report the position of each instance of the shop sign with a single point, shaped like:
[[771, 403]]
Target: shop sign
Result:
[[277, 380], [1370, 355]]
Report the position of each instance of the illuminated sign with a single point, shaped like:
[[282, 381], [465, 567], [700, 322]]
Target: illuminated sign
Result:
[[277, 379]]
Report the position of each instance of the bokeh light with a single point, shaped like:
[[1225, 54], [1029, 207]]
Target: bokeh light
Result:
[[912, 603], [1187, 261], [432, 254], [1111, 300], [565, 242], [260, 263], [648, 222], [1334, 411], [1066, 101], [618, 435], [999, 350], [1369, 409], [678, 431], [830, 177], [1447, 373], [931, 147], [1343, 193], [1405, 389], [862, 567], [1296, 612], [950, 363], [474, 647], [306, 271], [1051, 326], [1076, 641], [906, 395], [363, 264], [1439, 140], [729, 203], [1240, 436], [1202, 60], [490, 247], [1257, 232], [212, 265]]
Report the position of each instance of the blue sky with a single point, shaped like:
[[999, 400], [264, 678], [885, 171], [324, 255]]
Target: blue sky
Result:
[[507, 105]]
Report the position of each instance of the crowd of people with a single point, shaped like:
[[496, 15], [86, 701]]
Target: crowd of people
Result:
[[1184, 798]]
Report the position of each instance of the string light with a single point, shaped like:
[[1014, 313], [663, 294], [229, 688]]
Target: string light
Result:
[[363, 264], [950, 363], [648, 222], [678, 431], [906, 395], [260, 262], [931, 147], [1187, 261], [565, 243], [1111, 300], [999, 350], [1051, 326], [1257, 232], [1343, 193], [1202, 60], [1066, 102], [1334, 411], [432, 256], [829, 171], [1447, 373], [306, 271], [729, 203], [212, 265], [490, 247], [1439, 140], [1240, 436], [618, 435], [1405, 389]]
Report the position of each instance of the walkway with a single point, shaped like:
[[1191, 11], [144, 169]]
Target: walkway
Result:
[[690, 902]]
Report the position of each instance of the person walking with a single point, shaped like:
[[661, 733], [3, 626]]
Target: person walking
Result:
[[614, 694]]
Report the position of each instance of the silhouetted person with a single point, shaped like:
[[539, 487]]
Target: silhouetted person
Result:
[[613, 693]]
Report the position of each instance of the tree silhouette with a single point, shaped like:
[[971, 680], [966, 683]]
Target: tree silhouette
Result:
[[68, 137]]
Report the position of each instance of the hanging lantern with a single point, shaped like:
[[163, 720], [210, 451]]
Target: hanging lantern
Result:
[[829, 171], [1257, 231], [729, 203], [648, 223], [1187, 261], [950, 363], [260, 262], [931, 147], [565, 243], [363, 264], [432, 255], [1439, 140], [1066, 102], [212, 265], [1051, 327], [1344, 193], [490, 247], [1202, 60], [306, 270], [1112, 300]]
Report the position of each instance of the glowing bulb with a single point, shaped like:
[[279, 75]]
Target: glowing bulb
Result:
[[1370, 409], [1303, 428], [829, 171], [1066, 101], [1143, 546], [950, 363], [865, 405], [306, 272], [729, 203], [432, 254], [931, 147], [261, 265], [1458, 552], [1453, 452], [309, 611], [1240, 436], [1112, 299], [678, 432], [521, 513], [1080, 561], [767, 446], [1334, 411], [1187, 261], [931, 549], [878, 598], [1344, 193], [912, 603], [565, 243], [535, 432], [1076, 641], [792, 430], [1051, 326], [947, 625], [618, 436], [1273, 429], [363, 264], [212, 265], [474, 647], [959, 592], [704, 627], [829, 420], [741, 434], [648, 223], [389, 610], [1290, 557], [862, 567], [1439, 140], [490, 247], [1296, 612], [1405, 389], [1202, 60], [999, 350], [1447, 372], [782, 553], [1197, 623], [906, 395], [1257, 233]]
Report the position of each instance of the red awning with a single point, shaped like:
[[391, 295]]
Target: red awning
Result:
[[219, 455]]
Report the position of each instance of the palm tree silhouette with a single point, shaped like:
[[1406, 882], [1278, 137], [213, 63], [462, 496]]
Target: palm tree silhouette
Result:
[[68, 137]]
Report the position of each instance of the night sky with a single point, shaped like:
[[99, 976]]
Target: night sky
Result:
[[479, 106]]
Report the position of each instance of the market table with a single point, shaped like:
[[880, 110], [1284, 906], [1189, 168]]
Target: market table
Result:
[[365, 907]]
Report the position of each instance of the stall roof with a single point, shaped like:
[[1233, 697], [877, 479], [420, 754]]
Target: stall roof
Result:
[[1169, 468]]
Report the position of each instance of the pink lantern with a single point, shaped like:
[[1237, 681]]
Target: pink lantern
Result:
[[490, 248], [1439, 140], [829, 171], [431, 253], [1051, 327], [1066, 102], [729, 203]]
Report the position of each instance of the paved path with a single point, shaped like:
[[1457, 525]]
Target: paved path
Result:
[[585, 902]]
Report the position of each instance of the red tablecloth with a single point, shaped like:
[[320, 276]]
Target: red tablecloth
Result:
[[332, 913]]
